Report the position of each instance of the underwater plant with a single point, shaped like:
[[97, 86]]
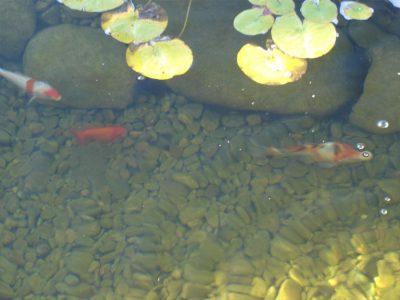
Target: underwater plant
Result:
[[149, 54], [311, 35]]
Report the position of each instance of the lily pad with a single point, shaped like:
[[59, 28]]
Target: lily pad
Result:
[[258, 2], [396, 3], [92, 5], [161, 59], [320, 11], [303, 39], [270, 66], [352, 10], [253, 21], [120, 22], [280, 7]]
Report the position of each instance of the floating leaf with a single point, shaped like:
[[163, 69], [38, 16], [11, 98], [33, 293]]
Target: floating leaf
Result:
[[92, 5], [161, 60], [280, 7], [120, 22], [303, 39], [320, 11], [351, 10], [396, 3], [270, 66], [258, 2], [253, 21]]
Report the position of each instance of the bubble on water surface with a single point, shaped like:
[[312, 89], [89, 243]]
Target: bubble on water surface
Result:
[[384, 211], [360, 146], [141, 77], [387, 199], [382, 124]]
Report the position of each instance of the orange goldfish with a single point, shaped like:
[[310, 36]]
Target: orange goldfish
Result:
[[34, 88], [100, 134], [331, 153]]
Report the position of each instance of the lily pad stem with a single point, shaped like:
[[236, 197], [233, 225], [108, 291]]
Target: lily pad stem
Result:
[[186, 19]]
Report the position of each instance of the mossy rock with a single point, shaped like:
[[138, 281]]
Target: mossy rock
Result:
[[86, 66]]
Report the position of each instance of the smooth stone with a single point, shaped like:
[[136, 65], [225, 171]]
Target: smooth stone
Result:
[[391, 187], [380, 99], [194, 274], [96, 76], [289, 290], [6, 292], [5, 138], [82, 290], [17, 25], [195, 291], [78, 263], [216, 79]]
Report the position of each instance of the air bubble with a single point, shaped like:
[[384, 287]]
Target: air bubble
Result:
[[360, 146], [387, 199], [141, 77], [384, 211], [382, 124]]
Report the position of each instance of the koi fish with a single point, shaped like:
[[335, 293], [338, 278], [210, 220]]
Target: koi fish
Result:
[[330, 153], [34, 88], [100, 134]]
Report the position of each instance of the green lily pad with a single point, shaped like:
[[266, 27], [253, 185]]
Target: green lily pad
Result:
[[270, 66], [160, 60], [303, 39], [280, 7], [320, 11], [92, 5], [258, 2], [351, 10], [253, 21]]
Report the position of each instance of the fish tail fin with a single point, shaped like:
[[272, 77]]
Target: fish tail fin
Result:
[[31, 100], [78, 136], [272, 151]]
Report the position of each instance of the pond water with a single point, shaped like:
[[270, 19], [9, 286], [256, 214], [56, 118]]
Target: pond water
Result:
[[196, 201]]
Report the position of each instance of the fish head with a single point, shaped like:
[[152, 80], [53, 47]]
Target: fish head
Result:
[[52, 94], [119, 130]]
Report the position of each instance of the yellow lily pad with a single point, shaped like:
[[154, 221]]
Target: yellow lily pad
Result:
[[280, 7], [303, 39], [92, 5], [253, 21], [161, 60], [130, 25], [270, 66], [352, 10], [119, 23], [321, 11]]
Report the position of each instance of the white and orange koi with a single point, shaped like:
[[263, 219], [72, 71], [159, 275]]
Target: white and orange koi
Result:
[[34, 88], [330, 153]]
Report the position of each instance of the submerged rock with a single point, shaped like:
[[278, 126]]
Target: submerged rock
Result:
[[378, 108], [17, 25], [88, 68], [215, 78]]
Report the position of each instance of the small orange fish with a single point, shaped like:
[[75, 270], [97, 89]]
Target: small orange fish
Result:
[[34, 88], [330, 153], [100, 134]]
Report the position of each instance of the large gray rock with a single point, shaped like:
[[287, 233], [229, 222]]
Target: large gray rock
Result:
[[17, 25], [85, 65], [380, 99], [215, 78]]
